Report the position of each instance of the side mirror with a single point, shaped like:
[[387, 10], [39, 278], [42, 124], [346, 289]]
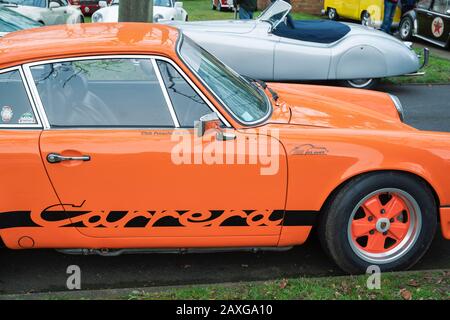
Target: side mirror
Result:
[[207, 122], [102, 4], [178, 4], [54, 5]]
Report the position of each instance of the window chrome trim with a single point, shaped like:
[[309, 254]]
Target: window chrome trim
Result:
[[27, 69], [443, 15], [165, 94], [24, 81]]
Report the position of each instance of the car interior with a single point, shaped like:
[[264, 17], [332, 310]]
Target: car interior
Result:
[[72, 97], [319, 31]]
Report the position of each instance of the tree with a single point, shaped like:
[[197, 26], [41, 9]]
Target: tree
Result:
[[136, 11]]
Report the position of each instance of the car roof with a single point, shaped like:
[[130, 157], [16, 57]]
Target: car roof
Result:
[[86, 39]]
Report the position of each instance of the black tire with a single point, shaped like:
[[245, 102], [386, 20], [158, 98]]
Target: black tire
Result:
[[187, 18], [406, 28], [213, 6], [333, 227], [332, 14], [367, 84], [219, 6], [365, 18], [82, 19]]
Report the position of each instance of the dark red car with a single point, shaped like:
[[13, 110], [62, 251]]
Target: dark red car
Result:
[[88, 7]]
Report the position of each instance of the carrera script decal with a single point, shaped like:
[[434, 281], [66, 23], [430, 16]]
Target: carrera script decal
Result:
[[69, 215]]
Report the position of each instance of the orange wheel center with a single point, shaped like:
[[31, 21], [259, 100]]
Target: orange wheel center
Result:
[[383, 222]]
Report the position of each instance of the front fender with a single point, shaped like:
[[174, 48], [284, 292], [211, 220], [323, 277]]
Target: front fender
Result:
[[347, 153]]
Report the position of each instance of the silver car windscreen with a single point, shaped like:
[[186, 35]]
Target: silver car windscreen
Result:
[[276, 13]]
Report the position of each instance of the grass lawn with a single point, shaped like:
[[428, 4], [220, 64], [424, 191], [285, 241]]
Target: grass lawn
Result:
[[394, 286], [201, 10], [437, 71]]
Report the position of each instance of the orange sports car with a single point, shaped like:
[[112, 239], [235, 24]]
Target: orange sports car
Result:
[[117, 137]]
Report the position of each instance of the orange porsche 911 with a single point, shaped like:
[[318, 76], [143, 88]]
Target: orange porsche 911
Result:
[[122, 137]]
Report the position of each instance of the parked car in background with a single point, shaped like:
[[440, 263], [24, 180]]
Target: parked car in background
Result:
[[162, 10], [429, 21], [47, 12], [368, 12], [270, 49], [88, 7], [99, 129], [222, 5], [11, 21]]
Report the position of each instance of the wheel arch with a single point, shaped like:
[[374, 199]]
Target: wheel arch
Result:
[[362, 13], [412, 14], [416, 176]]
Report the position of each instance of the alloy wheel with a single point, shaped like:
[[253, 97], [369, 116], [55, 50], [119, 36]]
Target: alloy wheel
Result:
[[384, 226]]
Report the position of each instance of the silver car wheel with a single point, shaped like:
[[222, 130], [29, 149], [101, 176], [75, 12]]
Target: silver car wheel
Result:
[[360, 83], [332, 14], [365, 19], [405, 29], [383, 225]]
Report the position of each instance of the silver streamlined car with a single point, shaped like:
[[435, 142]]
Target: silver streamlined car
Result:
[[274, 48], [11, 21]]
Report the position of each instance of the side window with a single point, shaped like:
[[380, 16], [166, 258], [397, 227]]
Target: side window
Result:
[[424, 4], [62, 3], [102, 93], [15, 107], [440, 6], [31, 3], [188, 105]]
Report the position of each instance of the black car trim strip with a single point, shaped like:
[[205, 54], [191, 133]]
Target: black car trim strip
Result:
[[242, 218], [16, 219]]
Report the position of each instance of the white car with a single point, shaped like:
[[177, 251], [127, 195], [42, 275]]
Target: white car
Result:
[[47, 12], [162, 10], [11, 21]]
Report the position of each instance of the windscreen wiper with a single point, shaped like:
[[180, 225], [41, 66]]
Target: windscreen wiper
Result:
[[264, 86]]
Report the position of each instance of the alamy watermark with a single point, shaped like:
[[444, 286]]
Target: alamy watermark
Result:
[[374, 280], [256, 147], [74, 280]]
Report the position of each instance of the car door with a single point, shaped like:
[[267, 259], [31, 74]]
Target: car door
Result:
[[440, 21], [424, 18], [230, 49], [118, 120], [25, 188], [300, 60], [351, 9], [60, 14]]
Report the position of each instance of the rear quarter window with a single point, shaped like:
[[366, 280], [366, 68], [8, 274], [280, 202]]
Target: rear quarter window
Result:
[[15, 107]]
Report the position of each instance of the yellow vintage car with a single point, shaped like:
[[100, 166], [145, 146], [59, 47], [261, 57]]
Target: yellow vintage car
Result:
[[369, 12]]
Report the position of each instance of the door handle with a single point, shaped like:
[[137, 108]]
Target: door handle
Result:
[[57, 158]]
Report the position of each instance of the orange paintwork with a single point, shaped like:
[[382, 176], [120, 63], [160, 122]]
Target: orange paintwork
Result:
[[445, 222], [132, 195]]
